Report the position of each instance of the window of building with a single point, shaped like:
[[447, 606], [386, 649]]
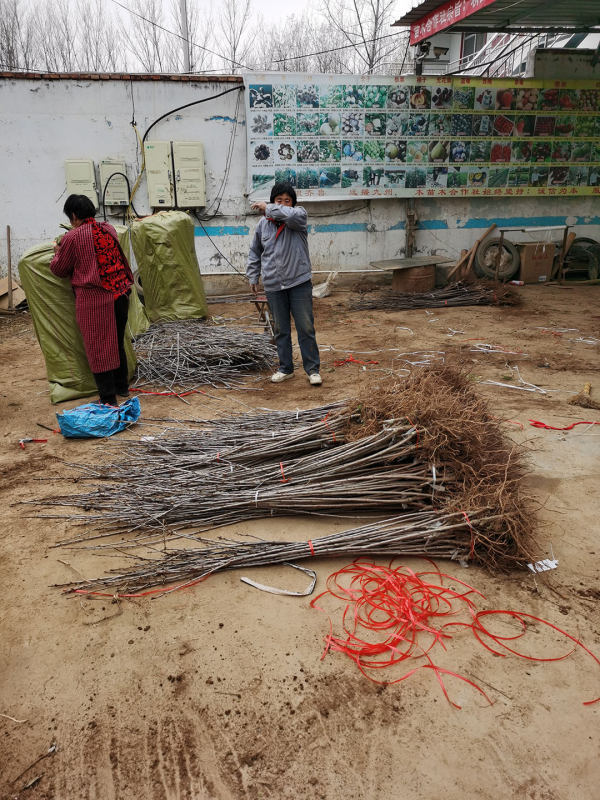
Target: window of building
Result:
[[472, 43]]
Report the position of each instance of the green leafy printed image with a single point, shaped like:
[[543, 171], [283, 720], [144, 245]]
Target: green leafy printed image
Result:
[[439, 151], [582, 151], [286, 176], [329, 176], [261, 179], [477, 177], [307, 124], [331, 96], [307, 96], [441, 124], [375, 124], [578, 176], [594, 175], [284, 96], [330, 150], [307, 178], [354, 97], [480, 150], [308, 152], [352, 150], [416, 178], [589, 99], [561, 151], [397, 97], [396, 124], [541, 151], [521, 151], [595, 152], [329, 124], [284, 124], [565, 125], [498, 177], [437, 178], [538, 176], [416, 152], [351, 176], [518, 176], [463, 98], [457, 177], [394, 178], [372, 176], [374, 150], [585, 126], [395, 151], [376, 96]]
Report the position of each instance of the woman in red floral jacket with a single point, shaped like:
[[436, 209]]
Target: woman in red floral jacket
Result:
[[91, 256]]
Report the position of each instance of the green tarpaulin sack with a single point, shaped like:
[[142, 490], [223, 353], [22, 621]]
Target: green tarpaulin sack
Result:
[[168, 266], [52, 308]]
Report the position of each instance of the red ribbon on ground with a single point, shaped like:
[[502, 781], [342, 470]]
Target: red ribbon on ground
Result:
[[404, 614], [537, 424], [352, 360]]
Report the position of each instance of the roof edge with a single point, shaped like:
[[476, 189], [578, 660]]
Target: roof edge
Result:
[[119, 76]]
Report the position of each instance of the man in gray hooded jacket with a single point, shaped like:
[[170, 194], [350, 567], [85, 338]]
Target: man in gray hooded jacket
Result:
[[279, 253]]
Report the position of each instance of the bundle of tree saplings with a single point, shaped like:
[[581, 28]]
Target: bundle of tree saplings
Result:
[[455, 294], [185, 354], [426, 447]]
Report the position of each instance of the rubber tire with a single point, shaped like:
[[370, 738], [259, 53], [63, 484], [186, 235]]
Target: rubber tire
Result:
[[484, 261], [588, 254]]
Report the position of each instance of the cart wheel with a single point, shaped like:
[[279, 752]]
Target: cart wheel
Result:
[[486, 255], [584, 258]]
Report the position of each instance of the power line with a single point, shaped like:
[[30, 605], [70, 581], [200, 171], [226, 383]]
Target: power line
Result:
[[333, 49], [189, 41]]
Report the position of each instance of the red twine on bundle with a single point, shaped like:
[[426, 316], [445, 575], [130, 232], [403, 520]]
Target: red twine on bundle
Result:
[[283, 478], [403, 606], [537, 424], [311, 548], [324, 421]]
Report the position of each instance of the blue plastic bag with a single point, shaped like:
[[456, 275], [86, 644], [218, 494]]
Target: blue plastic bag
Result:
[[93, 419]]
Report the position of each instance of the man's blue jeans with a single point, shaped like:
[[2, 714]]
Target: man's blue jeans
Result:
[[296, 302]]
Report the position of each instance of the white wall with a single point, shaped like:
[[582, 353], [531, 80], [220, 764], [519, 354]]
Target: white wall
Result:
[[43, 122]]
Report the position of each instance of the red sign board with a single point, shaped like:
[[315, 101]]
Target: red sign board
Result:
[[444, 16]]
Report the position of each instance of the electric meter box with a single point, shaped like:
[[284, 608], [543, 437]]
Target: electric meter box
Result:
[[81, 178], [175, 174], [115, 194], [190, 186], [159, 174]]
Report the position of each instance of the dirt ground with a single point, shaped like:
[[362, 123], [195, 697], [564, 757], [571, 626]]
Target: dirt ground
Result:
[[219, 692]]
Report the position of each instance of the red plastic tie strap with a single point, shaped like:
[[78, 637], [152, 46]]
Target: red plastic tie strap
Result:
[[283, 479], [537, 424], [310, 545]]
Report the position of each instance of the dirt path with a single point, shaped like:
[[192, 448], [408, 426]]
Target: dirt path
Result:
[[219, 692]]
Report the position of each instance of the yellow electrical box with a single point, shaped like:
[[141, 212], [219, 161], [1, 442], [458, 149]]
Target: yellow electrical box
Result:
[[190, 185], [115, 194], [159, 174], [81, 178]]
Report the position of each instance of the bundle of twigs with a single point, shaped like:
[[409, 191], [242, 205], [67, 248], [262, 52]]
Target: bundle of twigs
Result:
[[185, 354], [434, 534], [456, 294], [428, 443]]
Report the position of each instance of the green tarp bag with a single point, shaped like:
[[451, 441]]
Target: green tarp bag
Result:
[[52, 308], [168, 266]]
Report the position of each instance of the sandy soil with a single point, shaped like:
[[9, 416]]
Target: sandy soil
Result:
[[219, 691]]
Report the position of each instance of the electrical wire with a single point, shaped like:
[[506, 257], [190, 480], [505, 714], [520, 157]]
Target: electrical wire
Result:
[[179, 36], [334, 49], [208, 236], [129, 201], [187, 105]]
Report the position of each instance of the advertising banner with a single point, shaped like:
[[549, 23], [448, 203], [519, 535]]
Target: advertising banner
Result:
[[346, 136]]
